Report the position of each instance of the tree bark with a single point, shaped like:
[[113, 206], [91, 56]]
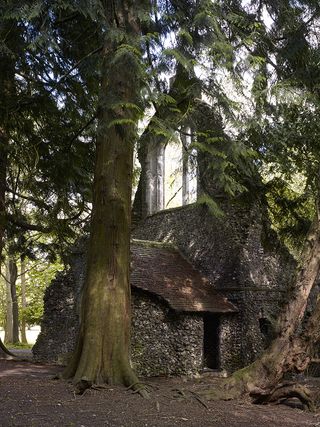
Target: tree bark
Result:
[[3, 181], [8, 97], [3, 178], [15, 307], [209, 125], [12, 322], [102, 349], [8, 335], [23, 301]]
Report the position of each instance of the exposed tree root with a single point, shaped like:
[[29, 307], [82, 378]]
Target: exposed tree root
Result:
[[223, 392], [199, 399], [288, 390], [289, 351], [83, 385], [187, 394], [5, 353], [230, 390]]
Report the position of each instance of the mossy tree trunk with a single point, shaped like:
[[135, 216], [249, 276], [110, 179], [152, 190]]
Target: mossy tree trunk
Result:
[[290, 351], [102, 350]]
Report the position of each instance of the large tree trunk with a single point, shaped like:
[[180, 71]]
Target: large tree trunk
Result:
[[290, 351], [102, 349], [209, 128]]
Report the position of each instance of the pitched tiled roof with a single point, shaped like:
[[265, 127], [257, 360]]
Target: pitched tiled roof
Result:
[[162, 270]]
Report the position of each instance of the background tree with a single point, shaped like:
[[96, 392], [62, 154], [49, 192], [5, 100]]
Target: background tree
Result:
[[23, 300], [43, 190]]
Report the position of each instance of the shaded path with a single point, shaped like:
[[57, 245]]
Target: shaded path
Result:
[[30, 397], [22, 353]]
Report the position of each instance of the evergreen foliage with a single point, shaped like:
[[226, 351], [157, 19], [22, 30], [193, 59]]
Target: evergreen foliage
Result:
[[244, 74]]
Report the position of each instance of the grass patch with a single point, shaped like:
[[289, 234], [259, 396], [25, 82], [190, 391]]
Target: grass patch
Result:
[[19, 346]]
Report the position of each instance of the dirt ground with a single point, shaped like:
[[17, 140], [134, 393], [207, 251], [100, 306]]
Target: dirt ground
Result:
[[31, 398]]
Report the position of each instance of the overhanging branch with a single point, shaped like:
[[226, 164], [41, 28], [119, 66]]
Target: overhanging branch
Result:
[[26, 225]]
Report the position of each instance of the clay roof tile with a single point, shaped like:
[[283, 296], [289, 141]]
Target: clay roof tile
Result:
[[163, 271]]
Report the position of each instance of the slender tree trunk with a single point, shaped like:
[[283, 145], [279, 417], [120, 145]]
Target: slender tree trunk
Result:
[[4, 352], [8, 35], [23, 301], [3, 176], [8, 336], [102, 350], [4, 143], [3, 180], [12, 323], [15, 307]]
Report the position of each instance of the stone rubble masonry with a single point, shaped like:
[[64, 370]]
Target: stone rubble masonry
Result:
[[238, 256], [242, 257], [163, 342], [60, 321]]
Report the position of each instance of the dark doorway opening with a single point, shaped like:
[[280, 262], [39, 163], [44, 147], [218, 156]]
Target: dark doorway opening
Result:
[[267, 331], [211, 341]]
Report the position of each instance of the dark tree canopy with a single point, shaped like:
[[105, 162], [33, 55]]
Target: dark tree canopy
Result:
[[76, 79]]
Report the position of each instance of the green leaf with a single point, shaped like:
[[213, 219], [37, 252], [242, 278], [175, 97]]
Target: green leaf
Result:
[[116, 122], [211, 204]]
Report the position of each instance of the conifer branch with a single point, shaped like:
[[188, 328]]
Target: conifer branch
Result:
[[26, 225], [37, 202]]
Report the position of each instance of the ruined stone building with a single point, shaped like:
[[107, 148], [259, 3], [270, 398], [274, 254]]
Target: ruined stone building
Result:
[[174, 312], [208, 298], [206, 291]]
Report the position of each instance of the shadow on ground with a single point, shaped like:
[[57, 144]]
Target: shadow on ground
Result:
[[30, 397]]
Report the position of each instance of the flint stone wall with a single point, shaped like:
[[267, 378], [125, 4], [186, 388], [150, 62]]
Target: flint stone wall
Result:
[[242, 257], [60, 323], [238, 253], [163, 342]]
